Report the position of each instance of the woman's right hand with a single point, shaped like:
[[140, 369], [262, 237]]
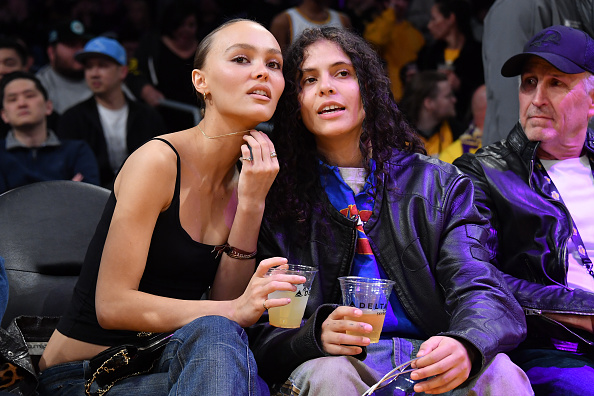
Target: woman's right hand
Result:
[[248, 307], [335, 341], [258, 174]]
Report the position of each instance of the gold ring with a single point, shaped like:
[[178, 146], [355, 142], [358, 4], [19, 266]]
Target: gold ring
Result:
[[264, 304], [245, 159], [273, 154]]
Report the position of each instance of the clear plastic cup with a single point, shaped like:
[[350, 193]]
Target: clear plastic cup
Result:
[[371, 296], [290, 315]]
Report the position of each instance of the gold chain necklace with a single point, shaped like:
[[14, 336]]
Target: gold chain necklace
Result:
[[220, 136]]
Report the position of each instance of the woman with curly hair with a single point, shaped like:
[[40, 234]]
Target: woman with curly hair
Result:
[[356, 195]]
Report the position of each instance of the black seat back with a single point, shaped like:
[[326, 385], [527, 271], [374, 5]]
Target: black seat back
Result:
[[45, 229]]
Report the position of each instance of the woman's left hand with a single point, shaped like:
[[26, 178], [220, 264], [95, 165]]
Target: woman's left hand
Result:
[[248, 307], [257, 174]]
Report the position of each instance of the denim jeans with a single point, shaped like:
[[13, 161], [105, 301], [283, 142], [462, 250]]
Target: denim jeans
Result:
[[209, 356], [554, 372], [342, 375]]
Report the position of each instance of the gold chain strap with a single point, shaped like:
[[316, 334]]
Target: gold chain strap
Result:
[[124, 354], [102, 391]]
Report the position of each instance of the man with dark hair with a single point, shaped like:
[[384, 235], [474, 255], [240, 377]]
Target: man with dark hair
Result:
[[537, 189], [430, 106], [63, 77], [13, 56], [113, 125], [31, 152]]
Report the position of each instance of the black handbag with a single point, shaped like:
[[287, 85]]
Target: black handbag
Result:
[[21, 346], [123, 361]]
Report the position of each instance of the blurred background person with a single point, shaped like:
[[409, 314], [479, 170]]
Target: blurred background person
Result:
[[396, 40], [31, 152], [161, 65], [471, 139], [113, 125], [430, 106], [63, 77], [454, 51], [362, 12], [136, 24], [13, 56], [289, 24]]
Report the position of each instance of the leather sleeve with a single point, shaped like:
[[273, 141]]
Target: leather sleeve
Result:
[[279, 351], [531, 295], [483, 310]]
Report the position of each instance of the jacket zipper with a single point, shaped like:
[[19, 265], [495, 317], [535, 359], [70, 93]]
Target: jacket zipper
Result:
[[539, 312], [563, 248]]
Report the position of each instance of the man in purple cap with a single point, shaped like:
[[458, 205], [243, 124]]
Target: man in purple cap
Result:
[[537, 189], [109, 121]]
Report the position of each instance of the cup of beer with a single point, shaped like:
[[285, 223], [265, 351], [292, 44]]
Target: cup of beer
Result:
[[290, 315], [371, 296]]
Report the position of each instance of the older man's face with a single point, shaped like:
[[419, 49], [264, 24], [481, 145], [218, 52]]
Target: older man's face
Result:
[[554, 109]]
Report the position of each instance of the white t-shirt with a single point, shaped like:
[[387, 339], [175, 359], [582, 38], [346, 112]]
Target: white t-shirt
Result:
[[574, 181], [354, 178], [114, 130]]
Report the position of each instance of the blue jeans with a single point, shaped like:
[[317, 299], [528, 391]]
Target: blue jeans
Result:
[[347, 376], [209, 356], [554, 372]]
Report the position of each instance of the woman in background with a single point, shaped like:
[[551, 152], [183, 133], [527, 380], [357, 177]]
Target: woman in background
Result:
[[454, 52]]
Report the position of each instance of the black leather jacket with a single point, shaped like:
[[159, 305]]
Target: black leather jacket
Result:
[[530, 231], [428, 236]]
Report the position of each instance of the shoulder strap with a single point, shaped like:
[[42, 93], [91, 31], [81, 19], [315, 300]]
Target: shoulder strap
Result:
[[177, 181]]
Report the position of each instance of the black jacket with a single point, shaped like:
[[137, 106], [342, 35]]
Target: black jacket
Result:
[[82, 122], [530, 231], [428, 236]]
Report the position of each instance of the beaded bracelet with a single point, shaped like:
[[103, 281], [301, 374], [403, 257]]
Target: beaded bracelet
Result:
[[233, 252]]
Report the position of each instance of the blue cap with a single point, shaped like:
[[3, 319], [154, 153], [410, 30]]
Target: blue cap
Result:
[[569, 50], [105, 47]]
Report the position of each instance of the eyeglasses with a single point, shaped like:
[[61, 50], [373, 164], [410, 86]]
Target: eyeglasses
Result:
[[392, 375]]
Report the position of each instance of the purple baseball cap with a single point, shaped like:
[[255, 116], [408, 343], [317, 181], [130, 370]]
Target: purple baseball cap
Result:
[[569, 50]]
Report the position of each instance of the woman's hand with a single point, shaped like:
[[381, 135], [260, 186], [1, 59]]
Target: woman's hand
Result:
[[250, 305], [258, 174], [334, 338], [446, 360]]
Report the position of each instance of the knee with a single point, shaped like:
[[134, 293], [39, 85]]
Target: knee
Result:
[[335, 368], [215, 330], [501, 375]]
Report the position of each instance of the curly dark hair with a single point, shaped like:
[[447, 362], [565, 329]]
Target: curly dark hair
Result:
[[294, 193]]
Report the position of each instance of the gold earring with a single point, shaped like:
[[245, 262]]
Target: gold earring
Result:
[[204, 95]]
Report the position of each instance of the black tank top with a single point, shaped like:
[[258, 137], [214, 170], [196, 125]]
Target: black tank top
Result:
[[176, 267]]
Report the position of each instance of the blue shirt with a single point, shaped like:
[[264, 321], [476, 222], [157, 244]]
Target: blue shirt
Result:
[[343, 198]]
